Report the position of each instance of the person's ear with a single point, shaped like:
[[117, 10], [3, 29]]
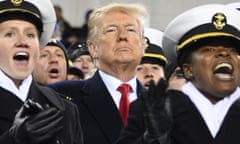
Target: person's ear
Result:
[[187, 70], [144, 43], [92, 50]]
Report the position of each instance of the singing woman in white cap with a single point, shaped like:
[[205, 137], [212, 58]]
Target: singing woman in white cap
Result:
[[29, 113], [206, 41]]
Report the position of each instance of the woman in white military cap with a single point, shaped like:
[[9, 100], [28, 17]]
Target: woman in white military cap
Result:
[[29, 113], [206, 41]]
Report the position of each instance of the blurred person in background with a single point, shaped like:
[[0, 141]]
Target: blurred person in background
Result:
[[152, 65], [52, 65], [75, 73], [63, 30], [83, 31], [79, 55]]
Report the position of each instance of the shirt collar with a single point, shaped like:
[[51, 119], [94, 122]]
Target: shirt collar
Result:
[[8, 84], [113, 83]]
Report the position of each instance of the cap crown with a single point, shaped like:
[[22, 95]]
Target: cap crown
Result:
[[39, 12], [197, 23]]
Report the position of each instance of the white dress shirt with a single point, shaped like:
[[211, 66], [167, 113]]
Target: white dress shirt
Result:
[[113, 83]]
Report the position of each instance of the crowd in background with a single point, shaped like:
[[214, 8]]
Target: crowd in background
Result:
[[116, 81]]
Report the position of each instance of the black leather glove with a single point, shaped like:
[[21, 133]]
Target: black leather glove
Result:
[[33, 124], [157, 114]]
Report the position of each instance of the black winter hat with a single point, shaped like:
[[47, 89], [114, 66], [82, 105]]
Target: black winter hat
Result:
[[77, 49], [57, 43]]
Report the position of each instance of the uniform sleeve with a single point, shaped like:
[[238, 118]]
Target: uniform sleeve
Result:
[[6, 138], [78, 128], [75, 128]]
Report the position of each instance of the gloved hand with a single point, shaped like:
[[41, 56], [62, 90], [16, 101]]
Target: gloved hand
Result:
[[33, 124], [157, 114]]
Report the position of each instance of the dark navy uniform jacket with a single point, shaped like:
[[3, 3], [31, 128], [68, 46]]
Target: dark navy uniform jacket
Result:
[[10, 104], [188, 125]]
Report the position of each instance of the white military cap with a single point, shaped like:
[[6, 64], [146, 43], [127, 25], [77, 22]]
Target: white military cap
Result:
[[39, 12], [154, 35], [235, 5], [154, 48], [213, 20]]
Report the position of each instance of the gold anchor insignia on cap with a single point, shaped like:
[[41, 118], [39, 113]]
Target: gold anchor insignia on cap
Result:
[[16, 2], [219, 21]]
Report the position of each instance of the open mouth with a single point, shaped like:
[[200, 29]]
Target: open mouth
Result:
[[223, 71], [147, 84], [54, 73], [20, 56]]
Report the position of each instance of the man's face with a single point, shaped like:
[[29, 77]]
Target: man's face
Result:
[[147, 72], [214, 70], [19, 46], [51, 66], [119, 42], [85, 64]]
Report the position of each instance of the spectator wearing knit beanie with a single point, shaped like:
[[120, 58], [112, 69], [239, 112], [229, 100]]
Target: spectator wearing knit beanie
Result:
[[52, 65]]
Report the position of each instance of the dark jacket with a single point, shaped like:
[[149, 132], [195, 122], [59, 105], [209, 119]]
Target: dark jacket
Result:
[[10, 104], [101, 122], [188, 125]]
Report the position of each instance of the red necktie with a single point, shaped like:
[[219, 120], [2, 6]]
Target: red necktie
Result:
[[124, 89]]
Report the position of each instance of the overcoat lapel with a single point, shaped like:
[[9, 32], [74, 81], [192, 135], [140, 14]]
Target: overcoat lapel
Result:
[[189, 120], [229, 131], [101, 105], [45, 94], [12, 102]]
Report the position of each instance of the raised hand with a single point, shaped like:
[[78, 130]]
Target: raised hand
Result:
[[33, 124], [157, 114]]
